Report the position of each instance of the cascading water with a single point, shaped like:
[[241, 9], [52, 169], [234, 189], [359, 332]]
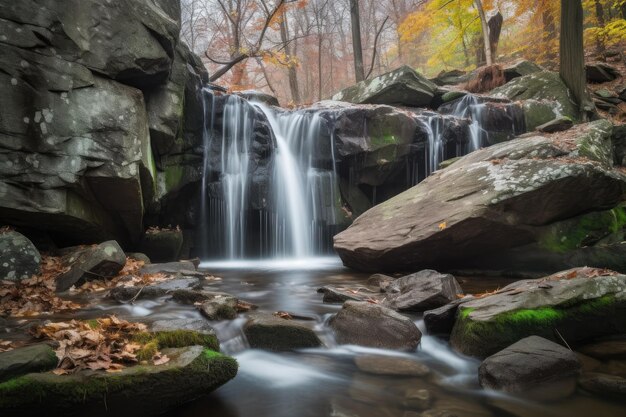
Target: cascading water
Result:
[[303, 195], [469, 107]]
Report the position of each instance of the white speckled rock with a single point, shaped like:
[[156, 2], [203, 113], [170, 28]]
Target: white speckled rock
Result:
[[19, 258]]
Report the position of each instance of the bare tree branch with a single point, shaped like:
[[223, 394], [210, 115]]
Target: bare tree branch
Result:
[[382, 26]]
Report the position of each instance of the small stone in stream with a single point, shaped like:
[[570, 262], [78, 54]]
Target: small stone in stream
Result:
[[265, 331], [608, 386], [197, 325], [381, 281], [608, 349], [19, 258], [420, 399], [559, 124], [373, 325], [390, 365], [529, 366], [220, 306], [168, 268], [126, 294], [24, 360], [91, 262], [336, 295], [441, 320], [422, 291]]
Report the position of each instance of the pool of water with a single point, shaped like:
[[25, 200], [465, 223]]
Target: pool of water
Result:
[[326, 381]]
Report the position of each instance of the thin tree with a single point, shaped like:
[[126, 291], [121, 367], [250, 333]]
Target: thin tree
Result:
[[355, 19], [572, 55], [485, 29]]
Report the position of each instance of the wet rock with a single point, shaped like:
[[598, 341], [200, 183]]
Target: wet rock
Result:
[[557, 125], [259, 96], [531, 364], [196, 325], [192, 372], [599, 72], [381, 281], [520, 68], [168, 268], [91, 262], [162, 245], [582, 303], [24, 360], [219, 306], [486, 203], [402, 87], [391, 365], [126, 294], [608, 349], [440, 321], [372, 325], [608, 386], [456, 407], [419, 399], [422, 291], [265, 331], [336, 295], [544, 85], [19, 258]]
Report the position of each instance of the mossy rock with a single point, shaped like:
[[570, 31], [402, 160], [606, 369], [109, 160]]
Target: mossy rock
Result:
[[265, 331], [192, 372], [155, 341], [571, 303]]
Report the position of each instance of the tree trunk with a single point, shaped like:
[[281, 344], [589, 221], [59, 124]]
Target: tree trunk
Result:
[[601, 23], [572, 59], [359, 71], [485, 29], [495, 28], [291, 69]]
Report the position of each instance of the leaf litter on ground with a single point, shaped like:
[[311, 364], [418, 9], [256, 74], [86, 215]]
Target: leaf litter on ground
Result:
[[106, 344]]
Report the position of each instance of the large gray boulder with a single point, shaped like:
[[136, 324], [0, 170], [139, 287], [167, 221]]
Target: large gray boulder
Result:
[[19, 258], [266, 331], [482, 210], [542, 86], [24, 360], [530, 365], [372, 325], [580, 304], [400, 87], [422, 291]]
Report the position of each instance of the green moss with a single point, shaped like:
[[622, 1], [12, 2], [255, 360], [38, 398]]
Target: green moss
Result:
[[584, 230], [482, 338], [178, 338], [173, 177], [93, 324], [148, 350], [384, 140]]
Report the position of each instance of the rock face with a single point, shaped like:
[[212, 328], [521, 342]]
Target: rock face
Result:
[[608, 386], [89, 90], [265, 331], [162, 245], [520, 69], [599, 72], [528, 365], [403, 87], [422, 291], [390, 365], [440, 321], [191, 373], [482, 210], [372, 325], [91, 262], [545, 88], [19, 258], [581, 304]]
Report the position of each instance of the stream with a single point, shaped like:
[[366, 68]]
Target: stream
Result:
[[326, 381]]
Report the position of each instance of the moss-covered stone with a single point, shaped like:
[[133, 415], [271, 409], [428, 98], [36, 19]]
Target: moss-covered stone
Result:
[[176, 339], [162, 245], [21, 361], [191, 372], [265, 331], [576, 306]]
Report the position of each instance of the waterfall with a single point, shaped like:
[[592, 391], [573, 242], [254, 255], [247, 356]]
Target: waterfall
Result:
[[469, 107], [207, 138], [303, 195]]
